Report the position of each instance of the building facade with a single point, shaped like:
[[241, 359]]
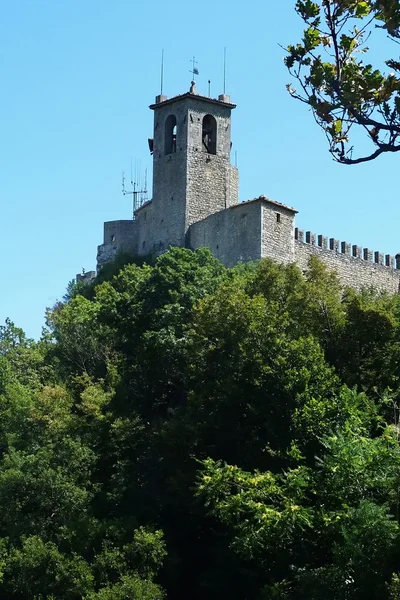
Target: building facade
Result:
[[196, 203]]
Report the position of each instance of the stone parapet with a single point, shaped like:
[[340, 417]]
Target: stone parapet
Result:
[[347, 249], [356, 267]]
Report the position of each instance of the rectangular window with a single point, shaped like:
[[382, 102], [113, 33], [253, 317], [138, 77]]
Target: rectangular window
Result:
[[278, 218]]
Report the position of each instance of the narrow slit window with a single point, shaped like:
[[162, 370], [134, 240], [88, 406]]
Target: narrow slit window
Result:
[[278, 218], [209, 135], [170, 134]]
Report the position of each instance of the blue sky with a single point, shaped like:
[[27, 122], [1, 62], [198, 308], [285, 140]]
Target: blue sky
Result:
[[77, 78]]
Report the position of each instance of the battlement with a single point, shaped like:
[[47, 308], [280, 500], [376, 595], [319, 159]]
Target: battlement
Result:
[[347, 249], [196, 204]]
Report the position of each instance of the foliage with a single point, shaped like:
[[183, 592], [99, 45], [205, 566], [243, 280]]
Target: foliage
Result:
[[345, 91], [187, 430]]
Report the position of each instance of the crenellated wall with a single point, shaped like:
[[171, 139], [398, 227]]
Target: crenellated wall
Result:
[[195, 204], [357, 267]]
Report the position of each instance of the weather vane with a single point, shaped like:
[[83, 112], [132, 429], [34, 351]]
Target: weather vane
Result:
[[194, 70]]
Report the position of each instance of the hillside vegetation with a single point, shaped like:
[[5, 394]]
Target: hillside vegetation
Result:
[[187, 431]]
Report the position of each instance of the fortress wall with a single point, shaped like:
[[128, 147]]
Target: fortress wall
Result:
[[208, 187], [233, 186], [277, 233], [119, 236], [169, 189], [233, 235], [189, 184], [169, 178], [211, 182], [356, 267], [147, 241]]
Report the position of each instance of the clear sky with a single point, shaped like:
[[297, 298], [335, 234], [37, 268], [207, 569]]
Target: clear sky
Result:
[[77, 77]]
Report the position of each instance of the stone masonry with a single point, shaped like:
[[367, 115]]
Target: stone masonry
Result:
[[195, 204]]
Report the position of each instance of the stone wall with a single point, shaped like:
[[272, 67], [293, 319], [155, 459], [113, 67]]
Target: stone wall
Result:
[[119, 236], [234, 185], [356, 267], [145, 224], [277, 231], [195, 204], [209, 188], [169, 180], [233, 235], [189, 184]]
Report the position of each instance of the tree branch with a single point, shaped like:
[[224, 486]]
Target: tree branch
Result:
[[355, 161]]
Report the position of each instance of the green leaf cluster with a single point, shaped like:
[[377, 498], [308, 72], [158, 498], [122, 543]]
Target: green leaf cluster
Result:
[[345, 92], [186, 430]]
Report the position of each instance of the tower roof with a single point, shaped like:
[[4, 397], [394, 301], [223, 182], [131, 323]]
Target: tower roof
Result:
[[163, 100]]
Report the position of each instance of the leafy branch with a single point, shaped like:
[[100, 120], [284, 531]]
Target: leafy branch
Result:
[[342, 91]]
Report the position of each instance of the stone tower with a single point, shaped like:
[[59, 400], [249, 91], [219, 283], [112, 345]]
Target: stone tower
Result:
[[192, 173]]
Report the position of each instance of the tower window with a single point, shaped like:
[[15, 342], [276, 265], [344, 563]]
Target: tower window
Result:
[[278, 218], [170, 134], [209, 135]]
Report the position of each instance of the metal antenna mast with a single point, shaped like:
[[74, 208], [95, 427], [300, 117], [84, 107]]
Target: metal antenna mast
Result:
[[162, 71], [139, 194], [224, 69]]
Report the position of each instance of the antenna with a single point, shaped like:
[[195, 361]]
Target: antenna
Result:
[[162, 71], [194, 70], [138, 193], [224, 69], [209, 88]]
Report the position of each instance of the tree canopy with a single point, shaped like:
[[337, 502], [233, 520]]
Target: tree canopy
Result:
[[353, 93], [183, 430]]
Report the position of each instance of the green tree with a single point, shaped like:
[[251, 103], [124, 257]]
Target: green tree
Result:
[[208, 431], [327, 531]]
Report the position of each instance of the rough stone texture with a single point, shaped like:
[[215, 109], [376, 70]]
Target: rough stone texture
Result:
[[389, 261], [195, 204], [353, 272], [334, 244], [145, 225], [233, 235], [119, 236], [323, 242], [190, 184], [277, 232]]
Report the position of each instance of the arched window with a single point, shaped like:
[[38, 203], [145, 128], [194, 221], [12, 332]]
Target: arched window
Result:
[[170, 134], [209, 135]]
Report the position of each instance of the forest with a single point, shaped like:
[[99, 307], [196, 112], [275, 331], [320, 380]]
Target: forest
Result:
[[184, 430]]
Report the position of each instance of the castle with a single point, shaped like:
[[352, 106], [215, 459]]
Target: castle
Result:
[[195, 203]]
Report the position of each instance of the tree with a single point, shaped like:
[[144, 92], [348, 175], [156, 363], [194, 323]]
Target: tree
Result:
[[272, 392], [345, 91], [314, 533]]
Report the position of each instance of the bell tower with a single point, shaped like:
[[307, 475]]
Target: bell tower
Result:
[[192, 173]]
